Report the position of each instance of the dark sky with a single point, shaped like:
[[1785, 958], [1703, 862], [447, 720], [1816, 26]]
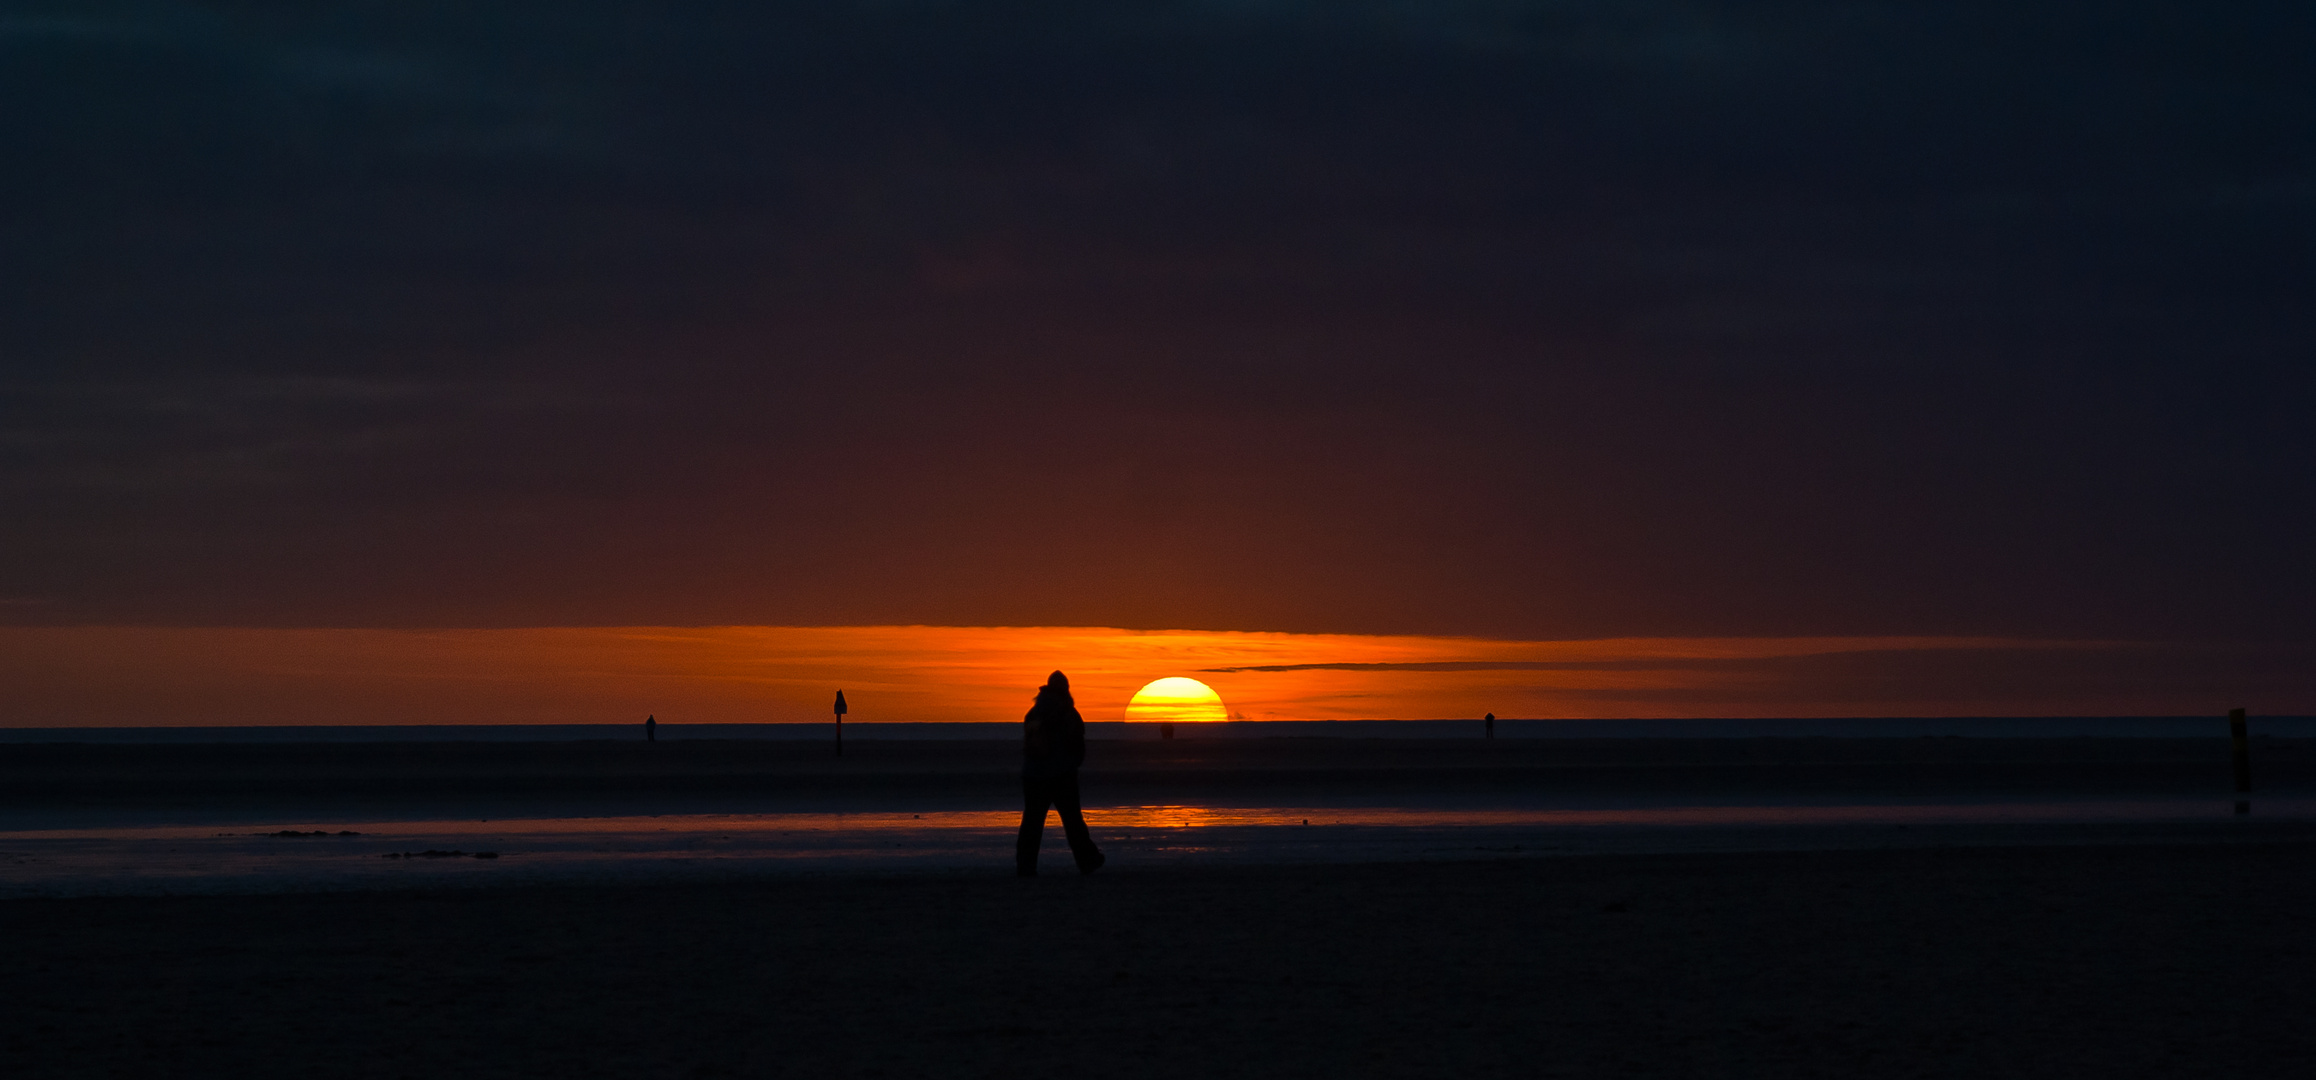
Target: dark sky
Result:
[[1545, 319]]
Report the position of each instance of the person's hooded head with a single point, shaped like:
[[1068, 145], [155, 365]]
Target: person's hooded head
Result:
[[1056, 689]]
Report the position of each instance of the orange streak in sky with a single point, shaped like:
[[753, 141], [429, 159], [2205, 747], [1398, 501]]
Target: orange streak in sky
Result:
[[756, 674]]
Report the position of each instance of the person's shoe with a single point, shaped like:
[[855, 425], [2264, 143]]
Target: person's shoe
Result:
[[1093, 864]]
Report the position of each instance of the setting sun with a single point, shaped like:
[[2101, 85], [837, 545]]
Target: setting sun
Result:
[[1174, 701]]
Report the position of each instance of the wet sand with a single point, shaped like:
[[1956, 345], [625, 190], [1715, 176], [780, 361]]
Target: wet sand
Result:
[[2174, 951]]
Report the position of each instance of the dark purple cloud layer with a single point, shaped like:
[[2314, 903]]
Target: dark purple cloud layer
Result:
[[1546, 319]]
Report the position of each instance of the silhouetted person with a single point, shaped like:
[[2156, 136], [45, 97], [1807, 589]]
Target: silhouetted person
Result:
[[1491, 725], [650, 729], [1053, 745]]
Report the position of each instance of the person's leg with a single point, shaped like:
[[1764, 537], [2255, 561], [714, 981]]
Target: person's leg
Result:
[[1065, 799], [1034, 799]]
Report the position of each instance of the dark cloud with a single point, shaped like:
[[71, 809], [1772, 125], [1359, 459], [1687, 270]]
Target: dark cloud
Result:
[[2110, 673], [1537, 319]]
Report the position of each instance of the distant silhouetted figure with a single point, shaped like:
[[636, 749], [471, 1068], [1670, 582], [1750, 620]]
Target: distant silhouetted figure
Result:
[[1491, 725], [1053, 745], [650, 729], [841, 709]]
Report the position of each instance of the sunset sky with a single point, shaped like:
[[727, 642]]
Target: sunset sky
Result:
[[557, 361]]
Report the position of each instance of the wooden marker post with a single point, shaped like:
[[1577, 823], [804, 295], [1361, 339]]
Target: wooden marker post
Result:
[[1491, 725], [840, 711], [2238, 734]]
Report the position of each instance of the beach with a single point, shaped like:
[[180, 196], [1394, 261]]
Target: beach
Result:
[[2132, 951], [114, 819], [1411, 907]]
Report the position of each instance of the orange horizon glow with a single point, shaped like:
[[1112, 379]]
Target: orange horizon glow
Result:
[[118, 676]]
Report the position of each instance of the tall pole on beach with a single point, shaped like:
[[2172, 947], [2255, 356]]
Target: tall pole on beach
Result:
[[2238, 734], [840, 710]]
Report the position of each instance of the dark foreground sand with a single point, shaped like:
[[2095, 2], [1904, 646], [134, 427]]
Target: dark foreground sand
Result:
[[2179, 954]]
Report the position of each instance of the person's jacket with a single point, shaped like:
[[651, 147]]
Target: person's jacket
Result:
[[1053, 735]]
